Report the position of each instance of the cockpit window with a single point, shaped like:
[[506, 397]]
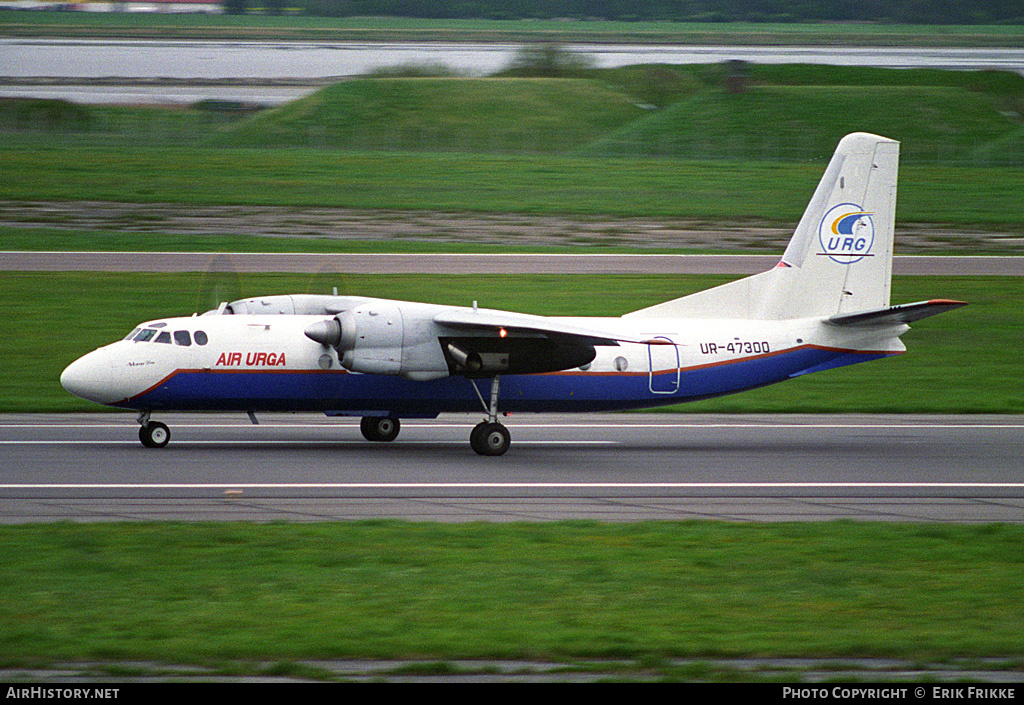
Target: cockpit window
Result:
[[164, 337], [200, 337], [145, 335], [132, 334], [181, 337]]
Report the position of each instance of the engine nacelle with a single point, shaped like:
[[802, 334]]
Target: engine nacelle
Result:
[[377, 338]]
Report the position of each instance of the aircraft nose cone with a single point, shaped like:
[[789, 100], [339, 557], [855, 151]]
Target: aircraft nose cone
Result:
[[88, 377]]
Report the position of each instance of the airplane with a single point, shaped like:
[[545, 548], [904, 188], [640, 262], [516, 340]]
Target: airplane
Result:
[[823, 306]]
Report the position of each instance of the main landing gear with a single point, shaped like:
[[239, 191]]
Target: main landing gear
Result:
[[380, 429], [490, 437], [487, 438], [153, 434]]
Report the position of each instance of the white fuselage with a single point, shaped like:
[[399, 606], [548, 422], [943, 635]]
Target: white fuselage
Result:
[[265, 362]]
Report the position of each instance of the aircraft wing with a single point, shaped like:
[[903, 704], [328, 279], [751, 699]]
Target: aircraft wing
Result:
[[488, 340], [904, 313], [486, 320]]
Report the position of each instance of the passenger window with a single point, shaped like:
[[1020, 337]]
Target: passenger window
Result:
[[164, 337], [181, 337], [145, 335], [200, 337]]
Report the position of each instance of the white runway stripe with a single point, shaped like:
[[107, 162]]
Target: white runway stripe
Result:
[[516, 485]]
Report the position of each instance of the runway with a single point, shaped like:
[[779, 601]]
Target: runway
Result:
[[608, 467]]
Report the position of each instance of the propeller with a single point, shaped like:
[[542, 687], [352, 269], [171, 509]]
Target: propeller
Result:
[[220, 284], [327, 280]]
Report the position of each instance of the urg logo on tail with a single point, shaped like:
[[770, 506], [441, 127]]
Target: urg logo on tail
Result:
[[846, 233]]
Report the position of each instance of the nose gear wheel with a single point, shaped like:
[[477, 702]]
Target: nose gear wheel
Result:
[[153, 434]]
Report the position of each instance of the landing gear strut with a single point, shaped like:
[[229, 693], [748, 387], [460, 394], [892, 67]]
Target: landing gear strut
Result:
[[152, 434], [490, 437]]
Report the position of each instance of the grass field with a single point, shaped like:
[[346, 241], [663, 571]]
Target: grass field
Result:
[[563, 591], [963, 362], [759, 191]]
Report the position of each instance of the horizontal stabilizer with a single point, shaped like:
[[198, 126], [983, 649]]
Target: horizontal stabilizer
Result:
[[904, 313]]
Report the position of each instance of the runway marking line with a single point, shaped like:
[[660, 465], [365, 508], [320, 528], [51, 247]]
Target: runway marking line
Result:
[[299, 441], [518, 485]]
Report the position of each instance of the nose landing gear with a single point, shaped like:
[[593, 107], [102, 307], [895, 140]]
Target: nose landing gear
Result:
[[153, 434]]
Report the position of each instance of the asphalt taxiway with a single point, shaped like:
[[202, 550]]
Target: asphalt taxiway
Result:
[[606, 467]]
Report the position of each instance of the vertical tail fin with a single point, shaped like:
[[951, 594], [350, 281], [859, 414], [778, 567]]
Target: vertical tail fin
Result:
[[840, 257], [842, 249]]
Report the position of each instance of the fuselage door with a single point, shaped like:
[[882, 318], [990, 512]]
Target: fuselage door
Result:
[[664, 366]]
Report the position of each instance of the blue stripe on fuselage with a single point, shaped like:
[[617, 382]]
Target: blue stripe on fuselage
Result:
[[339, 390]]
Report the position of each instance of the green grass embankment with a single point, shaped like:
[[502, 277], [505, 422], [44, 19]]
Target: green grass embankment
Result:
[[444, 114], [778, 113], [783, 113], [781, 123]]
